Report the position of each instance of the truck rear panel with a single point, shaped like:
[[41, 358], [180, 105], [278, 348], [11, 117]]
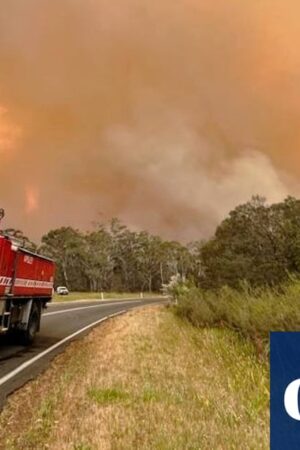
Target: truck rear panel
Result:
[[24, 274]]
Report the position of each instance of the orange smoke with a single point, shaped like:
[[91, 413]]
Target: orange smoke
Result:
[[32, 199], [165, 114], [9, 134]]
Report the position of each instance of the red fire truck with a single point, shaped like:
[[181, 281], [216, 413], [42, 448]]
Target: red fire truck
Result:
[[26, 285]]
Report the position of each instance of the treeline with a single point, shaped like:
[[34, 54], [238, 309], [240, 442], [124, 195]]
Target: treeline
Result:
[[257, 243], [113, 258]]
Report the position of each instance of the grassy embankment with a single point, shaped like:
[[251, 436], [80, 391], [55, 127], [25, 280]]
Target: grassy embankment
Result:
[[97, 296], [251, 313], [145, 380]]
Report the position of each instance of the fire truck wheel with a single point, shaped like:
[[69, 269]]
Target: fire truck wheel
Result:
[[28, 335]]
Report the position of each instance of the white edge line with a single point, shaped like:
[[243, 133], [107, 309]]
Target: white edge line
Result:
[[26, 364], [79, 309]]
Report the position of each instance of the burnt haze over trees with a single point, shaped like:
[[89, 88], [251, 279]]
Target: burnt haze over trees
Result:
[[114, 258], [257, 243]]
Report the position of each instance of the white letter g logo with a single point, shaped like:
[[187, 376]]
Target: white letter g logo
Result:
[[291, 399]]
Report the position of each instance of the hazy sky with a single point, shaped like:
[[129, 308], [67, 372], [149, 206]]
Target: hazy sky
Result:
[[164, 113]]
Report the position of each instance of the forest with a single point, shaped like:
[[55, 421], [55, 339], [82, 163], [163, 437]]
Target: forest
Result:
[[257, 243]]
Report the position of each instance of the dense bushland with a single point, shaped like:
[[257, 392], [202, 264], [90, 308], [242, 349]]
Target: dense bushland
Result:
[[253, 313], [249, 278], [257, 243]]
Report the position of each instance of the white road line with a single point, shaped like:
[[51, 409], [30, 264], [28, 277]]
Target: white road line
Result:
[[62, 311], [26, 364]]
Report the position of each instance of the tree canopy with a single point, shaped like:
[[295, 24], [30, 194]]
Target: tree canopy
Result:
[[114, 258], [257, 243]]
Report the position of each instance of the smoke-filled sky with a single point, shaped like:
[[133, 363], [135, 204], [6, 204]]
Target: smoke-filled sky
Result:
[[163, 113]]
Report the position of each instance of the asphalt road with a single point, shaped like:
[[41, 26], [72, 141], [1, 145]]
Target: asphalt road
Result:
[[61, 323]]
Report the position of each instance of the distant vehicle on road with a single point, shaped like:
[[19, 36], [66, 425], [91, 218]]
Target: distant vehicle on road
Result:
[[62, 290]]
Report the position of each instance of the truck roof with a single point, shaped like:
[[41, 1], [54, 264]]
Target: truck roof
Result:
[[25, 250]]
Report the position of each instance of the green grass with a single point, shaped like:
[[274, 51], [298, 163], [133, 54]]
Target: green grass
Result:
[[252, 313], [82, 447], [97, 296], [107, 396]]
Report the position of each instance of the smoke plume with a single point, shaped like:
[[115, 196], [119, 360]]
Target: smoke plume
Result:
[[165, 114]]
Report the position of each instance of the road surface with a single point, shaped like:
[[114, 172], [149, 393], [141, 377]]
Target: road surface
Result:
[[61, 323]]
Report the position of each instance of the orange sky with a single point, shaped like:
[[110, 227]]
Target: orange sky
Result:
[[165, 114]]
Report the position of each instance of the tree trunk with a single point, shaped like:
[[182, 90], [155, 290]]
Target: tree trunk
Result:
[[65, 274], [150, 283], [161, 273]]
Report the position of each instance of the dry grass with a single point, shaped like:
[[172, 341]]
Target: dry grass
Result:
[[106, 296], [145, 380]]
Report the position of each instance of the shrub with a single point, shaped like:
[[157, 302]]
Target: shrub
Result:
[[176, 287], [253, 313]]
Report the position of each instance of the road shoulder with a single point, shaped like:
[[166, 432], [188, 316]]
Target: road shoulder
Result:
[[143, 380]]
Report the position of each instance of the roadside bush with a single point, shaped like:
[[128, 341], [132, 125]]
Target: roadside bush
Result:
[[176, 287], [252, 313]]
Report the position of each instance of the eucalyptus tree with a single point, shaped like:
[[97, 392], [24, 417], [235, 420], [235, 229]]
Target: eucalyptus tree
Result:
[[97, 259], [257, 242], [66, 246]]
